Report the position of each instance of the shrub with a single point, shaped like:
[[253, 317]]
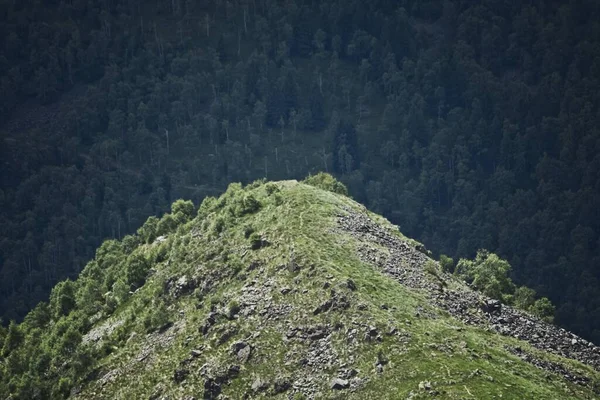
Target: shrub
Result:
[[130, 242], [257, 183], [255, 241], [431, 268], [233, 190], [62, 298], [93, 271], [160, 252], [232, 309], [136, 269], [183, 210], [247, 205], [39, 317], [109, 253], [208, 205], [166, 225], [14, 337], [271, 188], [488, 274], [218, 225], [69, 341], [89, 295], [63, 388], [120, 291], [147, 232], [524, 298], [248, 230], [447, 263], [277, 199], [543, 309], [110, 303], [327, 182], [157, 318]]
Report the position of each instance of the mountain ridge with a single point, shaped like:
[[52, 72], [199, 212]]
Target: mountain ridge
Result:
[[287, 290]]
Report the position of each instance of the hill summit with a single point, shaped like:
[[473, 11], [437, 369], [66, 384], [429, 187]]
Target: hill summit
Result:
[[283, 290]]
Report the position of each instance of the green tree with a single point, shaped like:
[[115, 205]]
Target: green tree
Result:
[[182, 210], [487, 273], [136, 269], [446, 263], [14, 338], [544, 309], [148, 231], [524, 298], [62, 298], [166, 225]]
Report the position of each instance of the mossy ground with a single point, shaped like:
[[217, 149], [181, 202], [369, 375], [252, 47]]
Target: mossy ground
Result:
[[430, 354]]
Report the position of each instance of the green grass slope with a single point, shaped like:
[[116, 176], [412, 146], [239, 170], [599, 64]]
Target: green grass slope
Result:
[[261, 294]]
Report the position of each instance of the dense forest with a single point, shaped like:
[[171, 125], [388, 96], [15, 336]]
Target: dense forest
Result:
[[469, 124]]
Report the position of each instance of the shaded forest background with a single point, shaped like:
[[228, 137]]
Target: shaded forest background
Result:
[[469, 125]]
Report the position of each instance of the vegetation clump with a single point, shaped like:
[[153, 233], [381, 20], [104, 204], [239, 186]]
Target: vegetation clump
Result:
[[489, 274], [327, 182]]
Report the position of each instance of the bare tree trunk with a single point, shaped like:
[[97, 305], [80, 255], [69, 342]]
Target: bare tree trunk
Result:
[[266, 168], [158, 43], [214, 88], [321, 83], [324, 158], [167, 135]]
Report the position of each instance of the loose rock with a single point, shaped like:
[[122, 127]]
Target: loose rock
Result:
[[339, 384]]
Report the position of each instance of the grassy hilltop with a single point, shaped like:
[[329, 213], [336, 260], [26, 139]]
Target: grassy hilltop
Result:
[[283, 290]]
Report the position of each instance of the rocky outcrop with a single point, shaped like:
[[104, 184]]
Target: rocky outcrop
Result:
[[405, 263]]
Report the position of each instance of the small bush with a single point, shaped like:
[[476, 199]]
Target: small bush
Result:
[[136, 269], [120, 291], [271, 188], [233, 190], [14, 338], [182, 210], [232, 309], [110, 303], [277, 199], [431, 268], [157, 318], [257, 183], [166, 225], [62, 298], [447, 264], [218, 225], [488, 273], [130, 242], [147, 232], [160, 252], [255, 241], [208, 205], [248, 230], [524, 298], [327, 182], [63, 389], [247, 205], [544, 309]]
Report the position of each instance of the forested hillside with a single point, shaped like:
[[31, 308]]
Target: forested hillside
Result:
[[471, 125]]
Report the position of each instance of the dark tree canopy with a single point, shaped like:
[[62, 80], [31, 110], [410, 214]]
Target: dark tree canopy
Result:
[[469, 124]]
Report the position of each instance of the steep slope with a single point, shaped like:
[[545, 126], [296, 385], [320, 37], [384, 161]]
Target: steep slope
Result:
[[283, 290]]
